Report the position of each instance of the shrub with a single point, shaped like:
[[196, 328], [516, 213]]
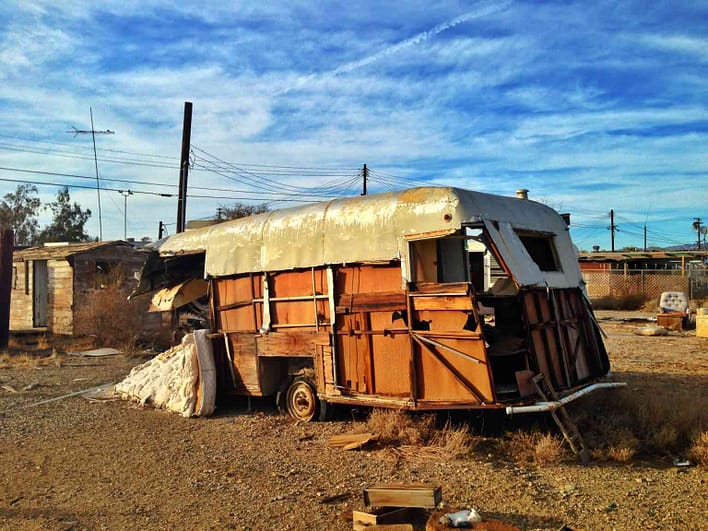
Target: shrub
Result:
[[417, 435], [106, 314], [398, 427], [526, 447]]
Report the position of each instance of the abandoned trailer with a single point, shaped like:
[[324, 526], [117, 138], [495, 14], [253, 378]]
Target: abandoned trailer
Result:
[[430, 298]]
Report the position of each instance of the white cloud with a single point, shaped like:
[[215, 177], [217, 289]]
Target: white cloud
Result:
[[695, 47]]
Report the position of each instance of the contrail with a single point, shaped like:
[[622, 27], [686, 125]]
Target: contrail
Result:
[[487, 9]]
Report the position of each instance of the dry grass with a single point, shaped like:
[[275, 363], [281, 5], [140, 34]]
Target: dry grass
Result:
[[699, 448], [528, 447], [548, 449], [627, 422], [418, 436], [109, 318], [25, 359]]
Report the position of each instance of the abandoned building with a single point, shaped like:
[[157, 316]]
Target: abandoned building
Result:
[[50, 282]]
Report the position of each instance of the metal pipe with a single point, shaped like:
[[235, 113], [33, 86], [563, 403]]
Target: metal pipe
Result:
[[540, 407]]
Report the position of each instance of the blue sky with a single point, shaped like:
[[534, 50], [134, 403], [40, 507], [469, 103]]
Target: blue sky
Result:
[[591, 106]]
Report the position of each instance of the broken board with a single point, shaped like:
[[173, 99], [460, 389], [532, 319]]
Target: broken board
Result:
[[381, 518]]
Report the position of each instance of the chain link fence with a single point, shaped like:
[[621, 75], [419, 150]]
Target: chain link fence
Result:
[[650, 283]]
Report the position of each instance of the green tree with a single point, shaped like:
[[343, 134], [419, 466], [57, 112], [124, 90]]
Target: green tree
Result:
[[241, 210], [18, 211], [68, 220]]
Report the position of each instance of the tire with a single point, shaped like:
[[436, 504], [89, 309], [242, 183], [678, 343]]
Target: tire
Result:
[[327, 410], [301, 400]]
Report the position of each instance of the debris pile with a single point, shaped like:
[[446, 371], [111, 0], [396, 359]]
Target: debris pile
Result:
[[182, 379]]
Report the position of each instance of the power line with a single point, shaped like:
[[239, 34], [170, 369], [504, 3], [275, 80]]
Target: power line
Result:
[[152, 183], [160, 194]]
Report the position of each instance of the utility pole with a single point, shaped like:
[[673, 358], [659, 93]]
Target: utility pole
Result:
[[6, 246], [95, 161], [160, 230], [613, 228], [645, 237], [125, 194], [697, 222], [365, 174], [184, 166]]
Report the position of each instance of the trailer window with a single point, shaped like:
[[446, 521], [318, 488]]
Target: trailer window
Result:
[[439, 260], [541, 249]]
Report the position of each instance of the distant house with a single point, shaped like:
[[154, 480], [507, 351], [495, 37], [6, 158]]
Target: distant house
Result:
[[50, 282]]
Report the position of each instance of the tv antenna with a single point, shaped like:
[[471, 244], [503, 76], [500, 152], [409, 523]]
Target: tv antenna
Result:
[[93, 133]]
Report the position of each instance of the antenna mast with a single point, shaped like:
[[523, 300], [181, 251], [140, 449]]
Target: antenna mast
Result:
[[95, 161]]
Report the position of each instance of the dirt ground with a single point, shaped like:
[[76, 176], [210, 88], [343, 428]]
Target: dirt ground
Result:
[[77, 464]]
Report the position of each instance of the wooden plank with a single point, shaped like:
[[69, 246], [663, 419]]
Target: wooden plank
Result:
[[536, 342], [403, 495], [380, 302], [551, 340], [243, 350], [391, 519], [291, 344], [449, 287], [447, 302], [351, 441]]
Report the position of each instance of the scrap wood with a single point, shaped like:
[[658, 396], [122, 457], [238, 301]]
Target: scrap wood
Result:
[[351, 441], [382, 516]]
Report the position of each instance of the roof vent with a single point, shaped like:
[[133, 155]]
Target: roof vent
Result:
[[522, 193]]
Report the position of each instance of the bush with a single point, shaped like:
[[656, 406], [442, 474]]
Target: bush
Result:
[[526, 447], [106, 315]]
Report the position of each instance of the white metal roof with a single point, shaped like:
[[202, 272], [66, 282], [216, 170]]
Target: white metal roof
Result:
[[376, 228]]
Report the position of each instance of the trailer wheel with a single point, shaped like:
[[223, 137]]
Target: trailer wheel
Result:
[[301, 400]]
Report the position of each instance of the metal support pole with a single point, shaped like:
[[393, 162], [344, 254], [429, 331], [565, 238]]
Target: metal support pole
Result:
[[184, 166], [6, 245], [98, 182], [125, 194]]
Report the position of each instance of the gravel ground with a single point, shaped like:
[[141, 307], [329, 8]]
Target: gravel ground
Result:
[[76, 464]]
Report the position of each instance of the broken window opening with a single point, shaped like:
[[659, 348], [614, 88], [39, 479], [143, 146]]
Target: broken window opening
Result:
[[103, 275], [541, 248], [500, 313]]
